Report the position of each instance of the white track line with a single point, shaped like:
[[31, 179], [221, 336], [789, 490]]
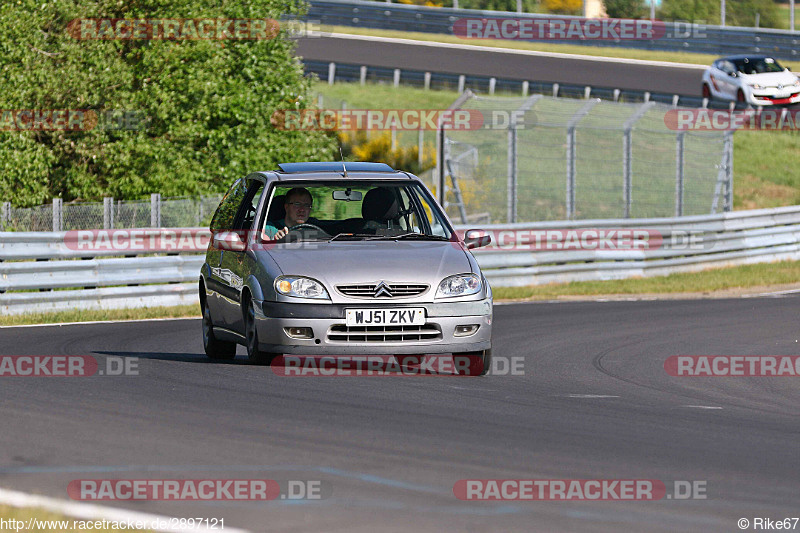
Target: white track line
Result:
[[101, 322], [92, 512], [476, 48]]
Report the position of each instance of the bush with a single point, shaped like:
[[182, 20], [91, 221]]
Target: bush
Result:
[[625, 9], [564, 7], [208, 101], [359, 146]]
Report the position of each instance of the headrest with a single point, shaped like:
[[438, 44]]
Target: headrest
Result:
[[277, 211], [379, 204]]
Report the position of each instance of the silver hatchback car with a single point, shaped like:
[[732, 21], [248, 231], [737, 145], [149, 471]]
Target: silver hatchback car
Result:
[[342, 259]]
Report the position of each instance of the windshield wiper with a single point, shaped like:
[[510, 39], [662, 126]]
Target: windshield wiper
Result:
[[420, 236], [349, 236]]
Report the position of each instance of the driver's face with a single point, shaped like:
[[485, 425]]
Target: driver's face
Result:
[[298, 209]]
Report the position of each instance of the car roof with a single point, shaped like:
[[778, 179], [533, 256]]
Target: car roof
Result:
[[335, 170], [743, 56]]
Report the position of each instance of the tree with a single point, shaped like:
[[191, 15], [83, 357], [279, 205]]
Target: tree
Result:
[[207, 103], [625, 9]]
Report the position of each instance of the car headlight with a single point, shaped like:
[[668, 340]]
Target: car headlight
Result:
[[459, 285], [300, 287], [756, 86]]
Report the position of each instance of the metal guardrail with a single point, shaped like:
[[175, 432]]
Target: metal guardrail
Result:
[[351, 73], [726, 239], [679, 37]]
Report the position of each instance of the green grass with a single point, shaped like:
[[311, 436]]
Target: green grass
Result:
[[604, 51], [706, 282], [110, 314], [766, 173]]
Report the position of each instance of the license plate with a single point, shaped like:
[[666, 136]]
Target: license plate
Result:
[[407, 316]]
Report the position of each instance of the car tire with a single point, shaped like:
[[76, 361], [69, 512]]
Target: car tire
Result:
[[215, 348], [477, 363], [254, 354], [707, 92]]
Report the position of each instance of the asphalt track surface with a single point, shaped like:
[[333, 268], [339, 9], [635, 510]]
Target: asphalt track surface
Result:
[[594, 403], [626, 75]]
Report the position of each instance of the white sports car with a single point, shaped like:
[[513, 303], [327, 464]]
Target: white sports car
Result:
[[751, 79]]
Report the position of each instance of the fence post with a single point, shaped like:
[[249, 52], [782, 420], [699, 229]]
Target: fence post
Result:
[[58, 214], [728, 206], [627, 149], [511, 204], [331, 72], [420, 146], [573, 122], [155, 210], [679, 170], [108, 213]]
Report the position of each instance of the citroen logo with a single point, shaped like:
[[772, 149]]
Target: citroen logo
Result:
[[382, 290]]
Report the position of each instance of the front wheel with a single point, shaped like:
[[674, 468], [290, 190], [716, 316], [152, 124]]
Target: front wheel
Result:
[[254, 354], [473, 363], [215, 348]]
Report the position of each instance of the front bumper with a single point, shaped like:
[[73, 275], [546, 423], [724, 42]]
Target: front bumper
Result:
[[327, 321], [774, 97]]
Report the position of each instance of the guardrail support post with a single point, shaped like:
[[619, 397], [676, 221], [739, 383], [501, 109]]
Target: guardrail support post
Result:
[[396, 77], [427, 80], [525, 88], [108, 213], [58, 214], [155, 210], [363, 75], [461, 83], [555, 90], [492, 84], [679, 170], [331, 72]]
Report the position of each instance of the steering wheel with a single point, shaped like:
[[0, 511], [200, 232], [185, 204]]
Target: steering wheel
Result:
[[306, 225]]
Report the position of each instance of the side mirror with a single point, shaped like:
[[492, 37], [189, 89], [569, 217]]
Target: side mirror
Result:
[[229, 240], [475, 238]]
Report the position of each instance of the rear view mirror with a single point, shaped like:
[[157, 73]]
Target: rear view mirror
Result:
[[348, 195], [475, 238]]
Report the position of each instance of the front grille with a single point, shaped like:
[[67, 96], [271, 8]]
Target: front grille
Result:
[[392, 290], [343, 333]]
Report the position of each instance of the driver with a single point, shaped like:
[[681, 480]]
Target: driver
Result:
[[297, 204]]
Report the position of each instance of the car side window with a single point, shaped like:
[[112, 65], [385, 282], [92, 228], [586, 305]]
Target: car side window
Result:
[[229, 207], [247, 213]]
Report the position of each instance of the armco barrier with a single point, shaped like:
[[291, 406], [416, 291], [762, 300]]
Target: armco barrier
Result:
[[39, 273], [679, 37]]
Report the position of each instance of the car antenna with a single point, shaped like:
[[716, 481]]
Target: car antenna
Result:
[[343, 167]]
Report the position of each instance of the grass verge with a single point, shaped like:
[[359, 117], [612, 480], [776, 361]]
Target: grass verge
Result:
[[707, 282], [765, 170], [83, 315], [600, 51]]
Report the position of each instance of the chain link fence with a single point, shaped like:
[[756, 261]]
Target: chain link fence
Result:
[[550, 158], [157, 212]]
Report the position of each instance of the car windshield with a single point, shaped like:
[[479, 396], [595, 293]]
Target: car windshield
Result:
[[349, 210], [757, 65]]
